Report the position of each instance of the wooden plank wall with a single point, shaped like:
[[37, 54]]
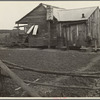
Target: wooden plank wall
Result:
[[38, 17], [77, 35], [94, 26], [72, 34], [53, 32], [59, 35], [99, 28]]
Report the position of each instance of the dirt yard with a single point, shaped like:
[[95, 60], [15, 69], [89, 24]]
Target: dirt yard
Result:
[[50, 60]]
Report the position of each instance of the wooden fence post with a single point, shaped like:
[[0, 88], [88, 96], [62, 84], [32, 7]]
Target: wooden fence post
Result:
[[18, 80]]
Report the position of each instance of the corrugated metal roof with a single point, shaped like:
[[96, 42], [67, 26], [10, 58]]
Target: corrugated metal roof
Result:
[[73, 14]]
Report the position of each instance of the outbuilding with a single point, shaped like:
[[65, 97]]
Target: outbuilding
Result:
[[50, 26]]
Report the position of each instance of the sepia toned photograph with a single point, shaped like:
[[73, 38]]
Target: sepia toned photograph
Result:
[[50, 49]]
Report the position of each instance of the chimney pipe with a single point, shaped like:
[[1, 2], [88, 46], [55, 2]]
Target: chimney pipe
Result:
[[83, 16]]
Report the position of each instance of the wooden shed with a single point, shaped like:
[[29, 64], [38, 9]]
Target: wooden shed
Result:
[[48, 25]]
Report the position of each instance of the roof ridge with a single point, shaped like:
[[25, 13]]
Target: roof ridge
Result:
[[52, 6]]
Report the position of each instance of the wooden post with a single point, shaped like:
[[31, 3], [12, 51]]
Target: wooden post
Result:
[[67, 38], [95, 44], [49, 34], [18, 29], [24, 29], [19, 81], [49, 18], [98, 23], [60, 34], [60, 29], [88, 29]]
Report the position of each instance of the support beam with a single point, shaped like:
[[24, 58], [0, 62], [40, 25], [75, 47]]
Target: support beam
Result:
[[60, 29], [98, 19], [67, 36], [18, 29], [49, 34], [18, 80]]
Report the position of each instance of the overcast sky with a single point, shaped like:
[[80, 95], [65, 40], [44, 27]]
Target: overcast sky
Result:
[[11, 11]]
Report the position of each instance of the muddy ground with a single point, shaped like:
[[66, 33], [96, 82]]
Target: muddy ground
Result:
[[51, 60]]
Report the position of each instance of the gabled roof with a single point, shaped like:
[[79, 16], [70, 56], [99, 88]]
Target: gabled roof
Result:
[[41, 4], [62, 14], [74, 14], [27, 14]]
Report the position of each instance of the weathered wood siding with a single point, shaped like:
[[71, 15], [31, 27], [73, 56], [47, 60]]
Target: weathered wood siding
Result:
[[77, 35], [38, 17], [59, 35], [94, 25], [53, 32], [72, 34], [99, 30]]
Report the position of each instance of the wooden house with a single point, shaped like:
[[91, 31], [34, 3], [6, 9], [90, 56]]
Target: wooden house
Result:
[[48, 25]]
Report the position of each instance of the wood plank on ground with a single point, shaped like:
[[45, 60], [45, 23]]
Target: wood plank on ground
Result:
[[18, 80]]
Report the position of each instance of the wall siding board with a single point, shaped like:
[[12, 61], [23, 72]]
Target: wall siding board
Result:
[[98, 21], [37, 17], [93, 26], [76, 33], [98, 28], [41, 39]]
